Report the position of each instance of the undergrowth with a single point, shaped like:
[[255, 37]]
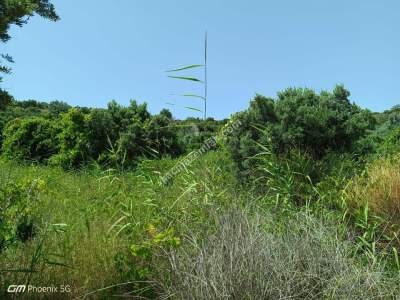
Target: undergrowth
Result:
[[299, 229]]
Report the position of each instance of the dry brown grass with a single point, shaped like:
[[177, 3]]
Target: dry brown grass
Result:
[[379, 187]]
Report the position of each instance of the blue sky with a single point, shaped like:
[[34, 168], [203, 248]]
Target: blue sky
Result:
[[103, 50]]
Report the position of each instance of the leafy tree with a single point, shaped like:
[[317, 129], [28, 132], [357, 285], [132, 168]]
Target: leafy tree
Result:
[[58, 107], [5, 98], [166, 113], [131, 142], [18, 12], [388, 120], [386, 123]]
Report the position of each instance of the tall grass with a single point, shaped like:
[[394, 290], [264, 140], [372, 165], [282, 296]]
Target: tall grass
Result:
[[250, 258], [203, 236], [379, 188], [81, 254], [102, 214]]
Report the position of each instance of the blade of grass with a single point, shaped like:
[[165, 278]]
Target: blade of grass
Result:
[[186, 78], [185, 68], [192, 108]]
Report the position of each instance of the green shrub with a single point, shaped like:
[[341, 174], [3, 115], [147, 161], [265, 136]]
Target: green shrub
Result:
[[193, 132], [73, 140], [161, 137], [16, 211], [300, 119], [5, 99], [115, 136], [31, 139], [101, 130], [288, 179], [391, 145]]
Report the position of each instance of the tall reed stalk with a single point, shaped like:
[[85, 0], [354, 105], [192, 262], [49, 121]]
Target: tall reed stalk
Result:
[[194, 79]]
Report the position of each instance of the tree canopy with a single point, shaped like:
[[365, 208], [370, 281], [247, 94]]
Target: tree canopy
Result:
[[18, 12]]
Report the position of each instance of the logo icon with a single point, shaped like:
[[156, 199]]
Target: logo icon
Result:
[[13, 288]]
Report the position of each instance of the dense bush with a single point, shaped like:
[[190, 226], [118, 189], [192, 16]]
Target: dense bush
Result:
[[162, 139], [391, 144], [193, 132], [16, 215], [30, 139], [388, 120], [132, 132], [5, 99], [380, 140], [114, 136], [72, 140], [301, 119]]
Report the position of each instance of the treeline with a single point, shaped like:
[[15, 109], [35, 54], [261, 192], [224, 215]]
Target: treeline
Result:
[[58, 134], [30, 108], [313, 123]]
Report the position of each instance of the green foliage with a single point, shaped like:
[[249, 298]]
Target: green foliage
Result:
[[5, 99], [139, 264], [300, 119], [193, 132], [388, 120], [73, 140], [14, 12], [56, 108], [300, 151], [391, 144], [143, 253], [161, 137], [120, 230], [116, 136], [30, 139], [289, 179], [18, 12], [376, 142], [16, 216], [138, 134], [28, 109]]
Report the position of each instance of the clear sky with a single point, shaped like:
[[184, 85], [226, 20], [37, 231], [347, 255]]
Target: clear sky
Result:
[[103, 50]]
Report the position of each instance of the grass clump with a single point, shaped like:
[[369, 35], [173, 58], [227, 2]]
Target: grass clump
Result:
[[249, 257], [379, 188]]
